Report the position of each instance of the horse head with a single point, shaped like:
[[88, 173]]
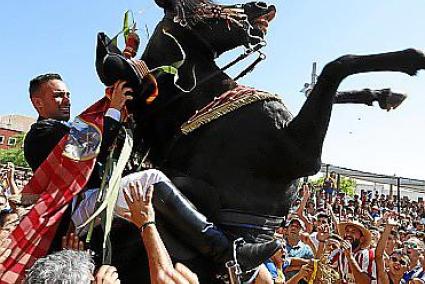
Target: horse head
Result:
[[216, 28], [202, 31]]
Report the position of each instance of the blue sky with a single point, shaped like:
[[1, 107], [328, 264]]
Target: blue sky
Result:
[[59, 36]]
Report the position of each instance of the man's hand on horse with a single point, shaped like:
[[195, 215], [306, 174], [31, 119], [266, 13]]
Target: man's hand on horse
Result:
[[140, 207], [118, 94]]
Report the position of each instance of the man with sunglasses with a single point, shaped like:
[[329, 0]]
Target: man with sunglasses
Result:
[[51, 98], [413, 248]]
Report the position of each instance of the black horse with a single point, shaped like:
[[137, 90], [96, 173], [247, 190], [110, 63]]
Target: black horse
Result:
[[239, 159]]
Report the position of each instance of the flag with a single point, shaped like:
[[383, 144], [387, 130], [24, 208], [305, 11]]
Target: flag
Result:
[[59, 178]]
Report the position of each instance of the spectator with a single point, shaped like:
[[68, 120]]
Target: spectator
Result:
[[413, 248], [398, 264], [70, 266], [295, 247], [142, 214], [355, 261], [329, 186]]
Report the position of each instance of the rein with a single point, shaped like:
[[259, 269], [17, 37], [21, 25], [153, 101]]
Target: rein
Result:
[[248, 52]]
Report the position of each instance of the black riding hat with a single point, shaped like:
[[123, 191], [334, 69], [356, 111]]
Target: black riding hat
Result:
[[112, 65]]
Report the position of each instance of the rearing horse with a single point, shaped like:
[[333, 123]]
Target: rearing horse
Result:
[[238, 159]]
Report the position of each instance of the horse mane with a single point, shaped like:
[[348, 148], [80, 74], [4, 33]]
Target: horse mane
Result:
[[184, 11]]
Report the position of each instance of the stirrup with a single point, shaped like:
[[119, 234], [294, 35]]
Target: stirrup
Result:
[[236, 275]]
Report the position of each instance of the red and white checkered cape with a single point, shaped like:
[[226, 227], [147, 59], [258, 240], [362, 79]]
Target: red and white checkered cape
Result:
[[57, 180]]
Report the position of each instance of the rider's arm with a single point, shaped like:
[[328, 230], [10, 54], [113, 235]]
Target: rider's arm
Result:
[[111, 123]]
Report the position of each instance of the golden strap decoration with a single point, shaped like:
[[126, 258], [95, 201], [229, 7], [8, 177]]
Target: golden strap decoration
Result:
[[226, 103]]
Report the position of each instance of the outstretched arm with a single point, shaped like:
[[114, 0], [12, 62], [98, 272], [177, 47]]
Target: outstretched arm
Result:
[[142, 215], [380, 251], [11, 179], [333, 218], [300, 210]]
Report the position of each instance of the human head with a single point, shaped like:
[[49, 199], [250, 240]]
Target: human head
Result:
[[294, 227], [3, 202], [356, 234], [8, 221], [50, 96], [398, 263], [66, 266], [322, 218], [374, 231], [333, 243], [413, 248]]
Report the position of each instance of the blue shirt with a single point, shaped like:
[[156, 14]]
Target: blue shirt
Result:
[[301, 250]]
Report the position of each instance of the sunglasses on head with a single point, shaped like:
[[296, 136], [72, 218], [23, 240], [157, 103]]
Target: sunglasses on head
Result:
[[401, 261], [410, 245]]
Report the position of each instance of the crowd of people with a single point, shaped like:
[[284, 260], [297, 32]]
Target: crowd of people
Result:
[[359, 239], [340, 239], [327, 237]]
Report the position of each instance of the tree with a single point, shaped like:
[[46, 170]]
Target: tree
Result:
[[15, 154], [346, 185]]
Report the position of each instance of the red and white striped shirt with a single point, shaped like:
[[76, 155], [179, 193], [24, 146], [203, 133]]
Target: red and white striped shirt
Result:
[[366, 260]]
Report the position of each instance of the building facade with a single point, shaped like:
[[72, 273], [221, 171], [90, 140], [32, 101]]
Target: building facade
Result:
[[12, 126]]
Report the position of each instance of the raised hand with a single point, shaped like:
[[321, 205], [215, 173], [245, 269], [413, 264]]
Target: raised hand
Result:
[[306, 192], [180, 275], [10, 171], [346, 247], [72, 241], [106, 274], [323, 233], [392, 222], [306, 271], [118, 94], [140, 207]]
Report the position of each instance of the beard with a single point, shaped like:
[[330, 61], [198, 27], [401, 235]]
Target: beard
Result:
[[355, 244]]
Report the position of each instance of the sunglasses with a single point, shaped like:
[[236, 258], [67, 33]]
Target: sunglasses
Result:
[[410, 245], [401, 261]]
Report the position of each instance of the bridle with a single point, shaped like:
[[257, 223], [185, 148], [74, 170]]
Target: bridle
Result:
[[234, 14]]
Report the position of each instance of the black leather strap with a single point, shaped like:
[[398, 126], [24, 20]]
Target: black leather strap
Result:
[[250, 220]]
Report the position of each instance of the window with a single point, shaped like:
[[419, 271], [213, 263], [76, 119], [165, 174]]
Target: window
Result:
[[11, 141], [1, 139]]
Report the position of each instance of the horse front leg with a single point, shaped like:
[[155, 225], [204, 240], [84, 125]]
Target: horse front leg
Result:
[[309, 127], [386, 98]]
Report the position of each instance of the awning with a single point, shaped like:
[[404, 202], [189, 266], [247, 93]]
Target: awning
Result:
[[415, 185]]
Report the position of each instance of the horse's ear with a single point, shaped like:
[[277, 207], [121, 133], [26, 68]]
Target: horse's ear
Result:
[[166, 4]]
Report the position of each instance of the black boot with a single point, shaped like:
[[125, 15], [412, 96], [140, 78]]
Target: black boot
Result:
[[177, 211], [251, 255]]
